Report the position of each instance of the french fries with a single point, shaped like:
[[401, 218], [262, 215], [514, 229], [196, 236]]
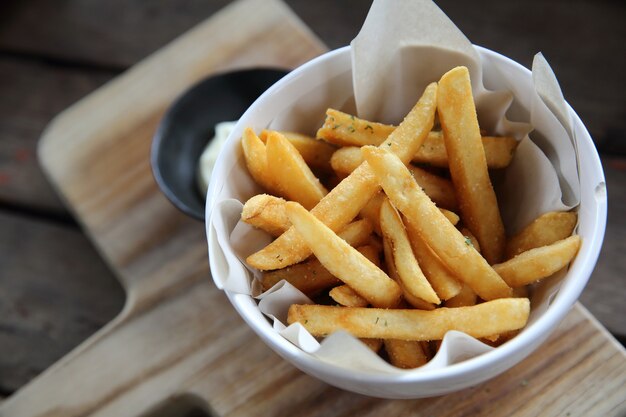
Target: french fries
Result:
[[445, 240], [481, 320], [544, 230], [468, 166], [409, 273], [343, 261], [538, 263], [291, 176], [349, 131], [345, 201], [439, 271], [440, 190], [316, 153]]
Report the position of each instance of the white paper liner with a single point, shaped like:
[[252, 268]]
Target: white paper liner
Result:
[[543, 175]]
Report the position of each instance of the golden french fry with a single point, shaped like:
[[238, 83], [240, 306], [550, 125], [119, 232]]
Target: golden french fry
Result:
[[347, 130], [445, 240], [343, 261], [538, 263], [499, 151], [440, 190], [316, 153], [255, 155], [440, 277], [310, 276], [410, 275], [393, 273], [345, 201], [345, 296], [544, 230], [466, 297], [266, 212], [481, 320], [467, 163], [291, 175], [405, 354]]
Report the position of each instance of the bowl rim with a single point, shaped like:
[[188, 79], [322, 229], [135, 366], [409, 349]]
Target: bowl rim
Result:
[[519, 347]]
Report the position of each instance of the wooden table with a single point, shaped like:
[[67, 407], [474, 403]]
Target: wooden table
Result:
[[56, 290]]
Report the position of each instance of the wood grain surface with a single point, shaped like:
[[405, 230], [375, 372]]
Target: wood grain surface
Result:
[[171, 303]]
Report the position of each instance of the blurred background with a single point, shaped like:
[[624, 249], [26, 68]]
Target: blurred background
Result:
[[55, 291]]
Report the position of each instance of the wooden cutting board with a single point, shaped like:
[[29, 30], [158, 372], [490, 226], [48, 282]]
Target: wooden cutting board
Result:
[[178, 347]]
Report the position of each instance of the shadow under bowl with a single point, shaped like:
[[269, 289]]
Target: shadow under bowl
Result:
[[188, 126]]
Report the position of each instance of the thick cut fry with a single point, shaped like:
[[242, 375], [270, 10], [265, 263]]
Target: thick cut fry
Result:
[[410, 275], [544, 230], [538, 263], [451, 216], [482, 320], [393, 273], [346, 130], [405, 354], [345, 296], [445, 240], [343, 261], [440, 277], [345, 201], [440, 190], [467, 163], [316, 153], [266, 212], [310, 276], [291, 175], [255, 155]]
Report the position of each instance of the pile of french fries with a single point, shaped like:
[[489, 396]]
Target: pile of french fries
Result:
[[395, 232]]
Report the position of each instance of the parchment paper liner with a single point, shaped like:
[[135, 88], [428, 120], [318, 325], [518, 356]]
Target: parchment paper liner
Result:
[[542, 177]]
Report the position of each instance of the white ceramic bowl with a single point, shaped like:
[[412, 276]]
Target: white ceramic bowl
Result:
[[326, 82]]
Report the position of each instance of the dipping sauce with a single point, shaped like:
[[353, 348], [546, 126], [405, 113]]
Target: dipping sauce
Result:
[[210, 153]]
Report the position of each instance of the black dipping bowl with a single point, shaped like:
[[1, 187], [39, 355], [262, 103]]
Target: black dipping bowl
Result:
[[188, 125]]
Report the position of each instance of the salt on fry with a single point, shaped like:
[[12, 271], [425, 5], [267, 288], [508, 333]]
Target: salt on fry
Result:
[[481, 320], [538, 263], [445, 240], [343, 261], [467, 163], [290, 174], [345, 201], [544, 230]]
